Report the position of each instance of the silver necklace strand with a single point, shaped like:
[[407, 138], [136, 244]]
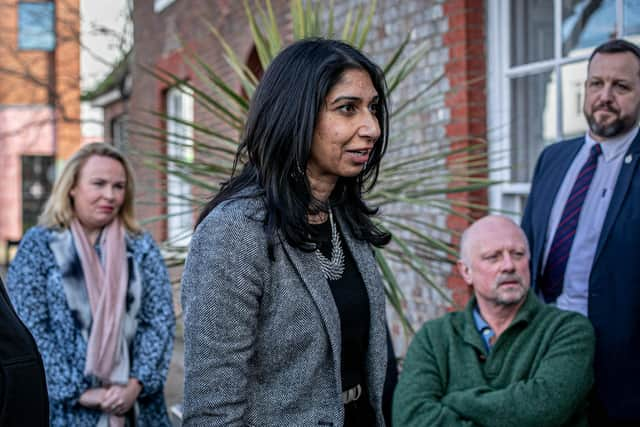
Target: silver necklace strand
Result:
[[332, 269]]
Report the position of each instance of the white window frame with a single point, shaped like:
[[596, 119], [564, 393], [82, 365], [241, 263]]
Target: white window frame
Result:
[[160, 5], [119, 131], [509, 196], [179, 104]]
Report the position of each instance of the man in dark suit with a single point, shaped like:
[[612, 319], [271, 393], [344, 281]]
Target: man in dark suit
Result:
[[583, 223]]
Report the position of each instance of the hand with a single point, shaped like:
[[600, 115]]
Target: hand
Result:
[[118, 399], [92, 398]]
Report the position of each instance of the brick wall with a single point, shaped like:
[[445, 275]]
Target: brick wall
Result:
[[39, 103], [67, 78], [41, 78], [20, 136], [161, 39], [466, 72]]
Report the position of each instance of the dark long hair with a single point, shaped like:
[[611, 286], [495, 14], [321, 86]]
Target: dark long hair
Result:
[[277, 142]]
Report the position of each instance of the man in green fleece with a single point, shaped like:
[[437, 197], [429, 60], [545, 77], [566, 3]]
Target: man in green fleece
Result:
[[507, 359]]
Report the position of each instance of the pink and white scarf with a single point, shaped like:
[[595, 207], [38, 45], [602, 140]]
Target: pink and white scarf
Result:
[[106, 288]]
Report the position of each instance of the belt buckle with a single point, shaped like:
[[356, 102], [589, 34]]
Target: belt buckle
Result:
[[352, 394]]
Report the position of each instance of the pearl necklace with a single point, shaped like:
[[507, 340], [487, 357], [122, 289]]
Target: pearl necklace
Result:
[[333, 268]]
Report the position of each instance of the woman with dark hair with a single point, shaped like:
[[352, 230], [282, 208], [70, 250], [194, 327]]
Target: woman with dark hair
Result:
[[283, 304]]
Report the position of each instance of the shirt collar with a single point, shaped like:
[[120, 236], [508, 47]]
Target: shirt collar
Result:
[[483, 328], [479, 320], [613, 148]]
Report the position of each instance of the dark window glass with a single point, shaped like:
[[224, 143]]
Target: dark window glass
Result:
[[38, 173], [531, 31]]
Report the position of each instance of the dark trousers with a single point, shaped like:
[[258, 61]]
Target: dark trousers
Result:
[[359, 413]]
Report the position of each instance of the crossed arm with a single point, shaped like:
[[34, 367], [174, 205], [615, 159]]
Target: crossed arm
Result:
[[549, 396], [418, 399]]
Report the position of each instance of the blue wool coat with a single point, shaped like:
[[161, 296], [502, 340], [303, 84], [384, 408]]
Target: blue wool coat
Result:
[[36, 288]]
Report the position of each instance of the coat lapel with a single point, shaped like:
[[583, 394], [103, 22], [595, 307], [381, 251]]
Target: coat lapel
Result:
[[310, 274], [377, 355], [629, 164], [307, 268], [554, 179]]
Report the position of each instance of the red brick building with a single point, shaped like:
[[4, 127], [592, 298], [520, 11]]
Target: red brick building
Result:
[[512, 75], [39, 104]]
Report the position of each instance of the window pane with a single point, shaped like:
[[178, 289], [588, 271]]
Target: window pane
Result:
[[160, 5], [531, 31], [180, 148], [586, 24], [631, 17], [573, 121], [36, 26], [119, 132], [533, 121]]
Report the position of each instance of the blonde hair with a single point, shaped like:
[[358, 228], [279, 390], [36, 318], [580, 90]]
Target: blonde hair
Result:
[[58, 211]]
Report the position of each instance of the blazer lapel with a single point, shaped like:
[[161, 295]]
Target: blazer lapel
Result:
[[553, 179], [629, 164], [365, 261], [306, 265]]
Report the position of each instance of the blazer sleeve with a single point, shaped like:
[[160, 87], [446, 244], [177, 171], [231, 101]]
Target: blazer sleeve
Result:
[[555, 391], [153, 341], [417, 401], [222, 287], [27, 282]]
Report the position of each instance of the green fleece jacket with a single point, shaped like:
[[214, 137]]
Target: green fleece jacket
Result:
[[538, 373]]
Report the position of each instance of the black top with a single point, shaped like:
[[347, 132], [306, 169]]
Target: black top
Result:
[[352, 301], [23, 390]]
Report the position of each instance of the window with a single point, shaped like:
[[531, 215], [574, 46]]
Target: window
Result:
[[36, 26], [38, 173], [180, 152], [119, 132], [538, 52], [160, 5]]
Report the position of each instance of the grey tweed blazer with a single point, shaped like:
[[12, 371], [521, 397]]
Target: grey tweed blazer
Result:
[[262, 337]]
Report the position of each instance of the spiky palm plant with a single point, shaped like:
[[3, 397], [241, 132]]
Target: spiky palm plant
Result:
[[415, 177]]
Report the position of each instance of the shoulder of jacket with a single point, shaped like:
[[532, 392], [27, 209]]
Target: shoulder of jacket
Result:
[[140, 242], [240, 211], [442, 325], [37, 238], [564, 144], [37, 233], [564, 318]]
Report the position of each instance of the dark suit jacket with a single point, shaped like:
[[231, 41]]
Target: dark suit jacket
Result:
[[23, 389], [614, 283]]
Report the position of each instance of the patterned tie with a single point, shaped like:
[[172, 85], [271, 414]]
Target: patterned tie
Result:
[[553, 277]]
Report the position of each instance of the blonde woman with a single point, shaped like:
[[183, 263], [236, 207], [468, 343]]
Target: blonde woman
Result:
[[95, 293]]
